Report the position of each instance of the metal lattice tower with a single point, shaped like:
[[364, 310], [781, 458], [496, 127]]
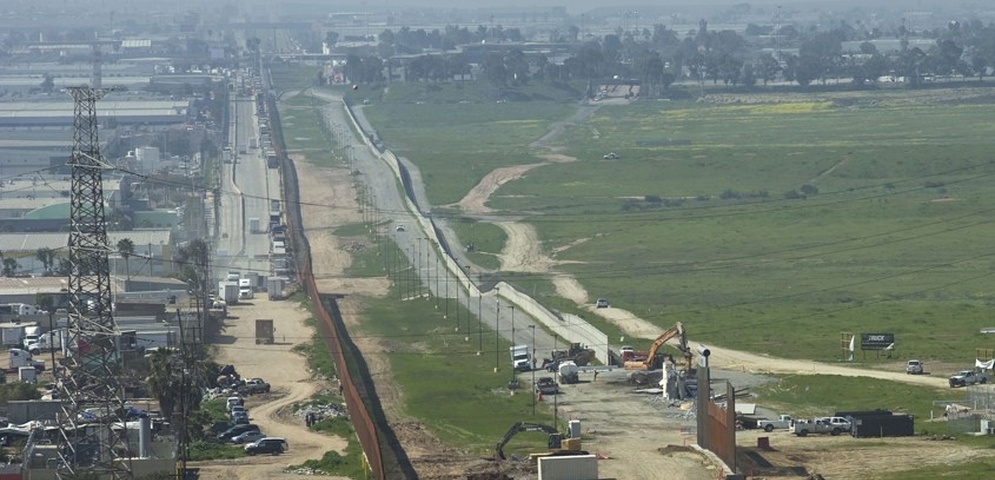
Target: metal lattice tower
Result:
[[92, 396]]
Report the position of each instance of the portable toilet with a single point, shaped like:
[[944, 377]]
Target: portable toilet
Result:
[[573, 428], [27, 374]]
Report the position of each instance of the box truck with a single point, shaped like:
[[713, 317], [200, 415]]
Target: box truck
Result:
[[228, 291]]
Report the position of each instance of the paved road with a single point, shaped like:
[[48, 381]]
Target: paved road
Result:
[[247, 187]]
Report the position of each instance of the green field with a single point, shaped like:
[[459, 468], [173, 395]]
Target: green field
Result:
[[455, 145], [883, 230]]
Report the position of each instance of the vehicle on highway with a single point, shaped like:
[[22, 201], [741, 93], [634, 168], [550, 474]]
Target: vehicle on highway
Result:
[[248, 437], [274, 445]]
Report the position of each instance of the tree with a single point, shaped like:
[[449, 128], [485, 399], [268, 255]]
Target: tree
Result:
[[331, 38], [163, 382], [126, 248], [767, 67], [48, 84], [494, 69], [10, 267], [47, 258]]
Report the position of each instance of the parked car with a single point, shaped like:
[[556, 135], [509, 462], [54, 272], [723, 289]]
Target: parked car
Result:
[[240, 418], [236, 408], [255, 385], [547, 386], [248, 437], [274, 445], [237, 430], [914, 367]]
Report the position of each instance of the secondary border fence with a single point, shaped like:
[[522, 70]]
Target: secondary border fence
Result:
[[384, 457], [570, 327]]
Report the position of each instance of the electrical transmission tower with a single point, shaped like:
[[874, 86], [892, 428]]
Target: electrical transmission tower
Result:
[[93, 438]]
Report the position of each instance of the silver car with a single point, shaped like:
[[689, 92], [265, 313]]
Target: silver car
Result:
[[247, 437]]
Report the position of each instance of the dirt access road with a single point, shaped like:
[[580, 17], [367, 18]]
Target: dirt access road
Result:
[[290, 383]]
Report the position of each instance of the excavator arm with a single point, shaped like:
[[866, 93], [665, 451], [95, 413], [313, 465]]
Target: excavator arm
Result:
[[520, 427], [676, 331]]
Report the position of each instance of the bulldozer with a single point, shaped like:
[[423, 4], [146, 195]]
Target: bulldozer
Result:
[[654, 360], [556, 443], [577, 353]]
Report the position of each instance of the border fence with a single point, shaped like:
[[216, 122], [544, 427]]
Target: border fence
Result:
[[335, 336]]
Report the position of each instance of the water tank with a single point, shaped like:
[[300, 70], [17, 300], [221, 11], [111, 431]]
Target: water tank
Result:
[[573, 429]]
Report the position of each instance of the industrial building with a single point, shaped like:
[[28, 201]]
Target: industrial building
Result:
[[124, 112]]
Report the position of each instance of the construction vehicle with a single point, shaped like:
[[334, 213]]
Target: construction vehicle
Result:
[[521, 359], [576, 353], [556, 443], [653, 361], [568, 373]]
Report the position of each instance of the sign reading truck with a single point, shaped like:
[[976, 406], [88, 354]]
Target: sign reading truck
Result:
[[877, 341]]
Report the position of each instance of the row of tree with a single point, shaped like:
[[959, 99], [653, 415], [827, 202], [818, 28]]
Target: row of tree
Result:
[[660, 56]]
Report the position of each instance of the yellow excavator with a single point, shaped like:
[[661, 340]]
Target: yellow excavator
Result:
[[652, 362], [556, 444]]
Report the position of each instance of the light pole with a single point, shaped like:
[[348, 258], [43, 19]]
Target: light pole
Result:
[[458, 288], [411, 269], [418, 271], [533, 327], [480, 323], [437, 289], [512, 307], [497, 336]]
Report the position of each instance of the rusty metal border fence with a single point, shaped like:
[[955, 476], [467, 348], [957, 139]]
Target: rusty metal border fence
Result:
[[358, 413]]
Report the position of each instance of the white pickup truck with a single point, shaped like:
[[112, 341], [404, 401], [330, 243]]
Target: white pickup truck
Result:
[[964, 378], [831, 425], [783, 422]]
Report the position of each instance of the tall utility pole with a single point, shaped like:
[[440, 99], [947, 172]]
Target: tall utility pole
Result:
[[89, 385]]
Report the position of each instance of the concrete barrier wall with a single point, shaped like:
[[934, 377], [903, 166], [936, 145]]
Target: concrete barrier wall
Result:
[[570, 327]]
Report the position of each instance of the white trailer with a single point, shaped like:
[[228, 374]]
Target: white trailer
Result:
[[11, 334]]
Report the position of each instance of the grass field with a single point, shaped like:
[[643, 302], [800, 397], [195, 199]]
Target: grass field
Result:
[[693, 223], [455, 145], [435, 366], [808, 396]]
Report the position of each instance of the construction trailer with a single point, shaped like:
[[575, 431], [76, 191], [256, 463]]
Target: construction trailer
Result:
[[264, 331]]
